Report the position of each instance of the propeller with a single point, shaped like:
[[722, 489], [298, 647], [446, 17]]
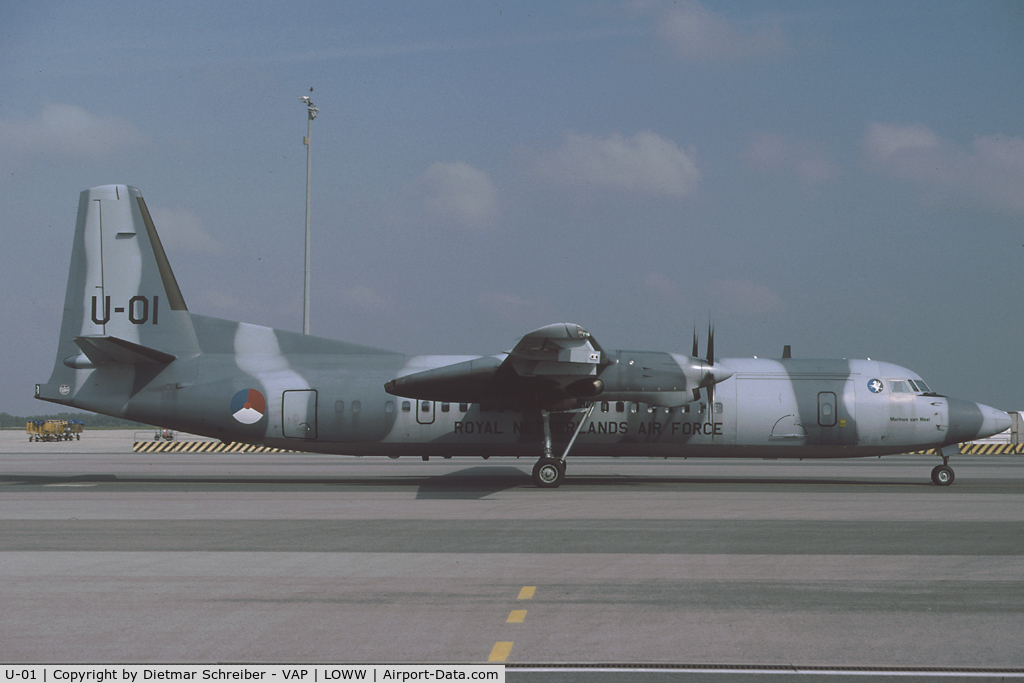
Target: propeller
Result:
[[710, 374]]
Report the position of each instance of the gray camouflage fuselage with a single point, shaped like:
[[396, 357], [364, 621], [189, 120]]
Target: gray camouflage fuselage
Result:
[[130, 348]]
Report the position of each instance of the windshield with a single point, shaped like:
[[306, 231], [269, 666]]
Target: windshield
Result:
[[919, 386]]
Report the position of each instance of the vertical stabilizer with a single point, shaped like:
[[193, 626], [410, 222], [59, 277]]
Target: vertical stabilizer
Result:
[[123, 311]]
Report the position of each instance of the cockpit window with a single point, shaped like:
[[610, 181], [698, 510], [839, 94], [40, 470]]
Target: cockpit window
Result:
[[913, 385], [923, 387], [898, 387]]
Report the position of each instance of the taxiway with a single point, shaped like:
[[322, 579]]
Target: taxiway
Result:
[[109, 556]]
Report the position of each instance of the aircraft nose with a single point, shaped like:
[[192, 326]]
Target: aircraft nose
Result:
[[969, 421], [994, 421]]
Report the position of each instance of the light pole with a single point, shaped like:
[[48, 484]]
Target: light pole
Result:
[[312, 111]]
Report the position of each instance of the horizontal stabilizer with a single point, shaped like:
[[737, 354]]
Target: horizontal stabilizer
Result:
[[101, 350]]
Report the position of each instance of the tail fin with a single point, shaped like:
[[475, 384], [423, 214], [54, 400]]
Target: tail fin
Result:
[[123, 311]]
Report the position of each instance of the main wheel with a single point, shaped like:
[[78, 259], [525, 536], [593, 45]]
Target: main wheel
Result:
[[943, 475], [549, 473]]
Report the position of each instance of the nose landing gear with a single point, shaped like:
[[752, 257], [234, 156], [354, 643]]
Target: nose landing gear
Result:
[[943, 475]]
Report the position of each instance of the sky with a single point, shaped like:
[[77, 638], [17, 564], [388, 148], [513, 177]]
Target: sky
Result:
[[846, 178]]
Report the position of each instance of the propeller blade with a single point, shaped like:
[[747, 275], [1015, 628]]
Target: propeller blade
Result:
[[711, 344], [695, 351], [711, 363]]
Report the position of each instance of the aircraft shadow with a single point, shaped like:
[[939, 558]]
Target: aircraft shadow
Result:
[[471, 483]]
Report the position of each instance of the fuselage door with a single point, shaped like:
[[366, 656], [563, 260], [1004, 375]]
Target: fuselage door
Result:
[[298, 414], [826, 409], [425, 412]]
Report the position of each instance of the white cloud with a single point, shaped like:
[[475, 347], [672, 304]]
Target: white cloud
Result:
[[665, 287], [182, 230], [745, 296], [67, 130], [989, 174], [883, 140], [696, 33], [803, 160], [512, 309], [645, 163], [503, 301], [457, 194]]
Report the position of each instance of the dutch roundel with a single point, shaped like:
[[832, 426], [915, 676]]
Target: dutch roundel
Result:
[[248, 406]]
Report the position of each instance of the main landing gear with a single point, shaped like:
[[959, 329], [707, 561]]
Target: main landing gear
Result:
[[549, 472]]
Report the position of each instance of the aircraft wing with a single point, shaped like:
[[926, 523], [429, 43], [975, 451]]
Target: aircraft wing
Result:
[[553, 366]]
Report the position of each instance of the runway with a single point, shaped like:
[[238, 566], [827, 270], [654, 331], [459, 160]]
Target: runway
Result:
[[109, 556]]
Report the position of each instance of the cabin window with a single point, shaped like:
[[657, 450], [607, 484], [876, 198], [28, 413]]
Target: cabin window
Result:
[[406, 406], [339, 407], [718, 408], [633, 407], [389, 407], [356, 407], [445, 407], [604, 406], [463, 407], [620, 407], [424, 406]]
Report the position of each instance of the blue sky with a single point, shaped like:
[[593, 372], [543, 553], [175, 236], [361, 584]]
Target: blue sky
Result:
[[847, 178]]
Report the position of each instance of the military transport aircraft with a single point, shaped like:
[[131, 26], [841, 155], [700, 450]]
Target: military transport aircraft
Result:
[[129, 347]]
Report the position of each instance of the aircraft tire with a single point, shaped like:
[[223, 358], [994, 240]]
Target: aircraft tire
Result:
[[943, 475], [548, 473]]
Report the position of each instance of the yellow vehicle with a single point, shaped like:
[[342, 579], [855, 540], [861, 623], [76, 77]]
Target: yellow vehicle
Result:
[[54, 430]]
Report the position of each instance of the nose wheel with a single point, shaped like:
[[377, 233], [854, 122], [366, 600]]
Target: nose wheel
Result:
[[942, 475]]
